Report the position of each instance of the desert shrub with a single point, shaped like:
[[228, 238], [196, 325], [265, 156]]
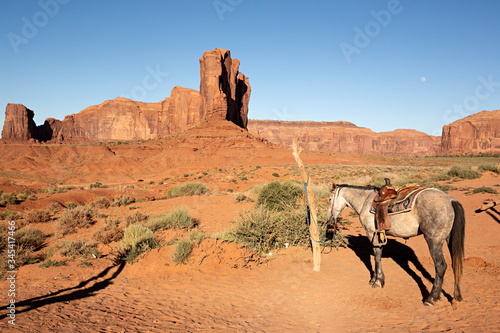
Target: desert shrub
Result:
[[122, 200], [23, 256], [485, 189], [69, 205], [97, 185], [321, 192], [135, 218], [136, 240], [37, 216], [52, 263], [78, 217], [108, 233], [197, 237], [30, 237], [490, 167], [264, 229], [182, 251], [101, 203], [61, 189], [241, 197], [178, 218], [187, 189], [9, 214], [8, 198], [275, 174], [72, 249], [463, 172], [54, 208], [280, 196], [24, 195]]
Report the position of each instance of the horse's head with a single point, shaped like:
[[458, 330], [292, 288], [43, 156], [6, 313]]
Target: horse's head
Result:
[[337, 204]]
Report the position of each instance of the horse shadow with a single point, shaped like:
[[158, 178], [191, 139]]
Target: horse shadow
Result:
[[75, 292], [402, 255]]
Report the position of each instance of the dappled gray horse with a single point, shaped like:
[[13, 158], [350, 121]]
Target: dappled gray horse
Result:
[[435, 214]]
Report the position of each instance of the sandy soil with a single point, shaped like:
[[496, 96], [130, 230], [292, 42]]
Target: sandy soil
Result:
[[225, 288]]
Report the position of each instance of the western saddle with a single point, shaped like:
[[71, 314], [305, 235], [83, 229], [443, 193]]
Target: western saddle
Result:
[[387, 196]]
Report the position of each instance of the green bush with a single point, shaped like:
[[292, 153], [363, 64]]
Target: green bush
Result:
[[264, 230], [24, 195], [280, 196], [182, 251], [485, 189], [8, 198], [52, 263], [178, 218], [136, 240], [490, 167], [97, 185], [78, 217], [463, 172], [187, 189]]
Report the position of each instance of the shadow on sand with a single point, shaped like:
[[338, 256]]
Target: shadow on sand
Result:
[[69, 294], [401, 254]]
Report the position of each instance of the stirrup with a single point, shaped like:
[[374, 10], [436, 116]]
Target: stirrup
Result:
[[379, 238]]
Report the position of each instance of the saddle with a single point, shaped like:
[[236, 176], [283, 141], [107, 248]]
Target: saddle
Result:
[[387, 196]]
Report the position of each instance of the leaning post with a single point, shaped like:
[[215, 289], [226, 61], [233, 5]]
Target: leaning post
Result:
[[313, 228]]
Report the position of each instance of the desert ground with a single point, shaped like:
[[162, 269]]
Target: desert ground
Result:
[[223, 286]]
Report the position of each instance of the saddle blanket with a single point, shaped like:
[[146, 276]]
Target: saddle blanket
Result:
[[401, 206]]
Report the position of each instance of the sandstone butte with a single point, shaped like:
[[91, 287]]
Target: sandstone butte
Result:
[[224, 94], [476, 134]]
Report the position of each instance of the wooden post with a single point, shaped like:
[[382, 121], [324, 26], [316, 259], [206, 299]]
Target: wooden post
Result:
[[313, 229]]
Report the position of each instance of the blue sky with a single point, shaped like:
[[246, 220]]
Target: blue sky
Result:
[[384, 65]]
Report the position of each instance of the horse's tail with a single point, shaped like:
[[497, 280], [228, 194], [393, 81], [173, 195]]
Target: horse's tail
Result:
[[456, 246]]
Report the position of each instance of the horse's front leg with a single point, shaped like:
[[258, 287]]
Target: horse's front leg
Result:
[[378, 278]]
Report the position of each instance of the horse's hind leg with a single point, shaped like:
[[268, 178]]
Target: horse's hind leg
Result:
[[378, 278], [436, 250]]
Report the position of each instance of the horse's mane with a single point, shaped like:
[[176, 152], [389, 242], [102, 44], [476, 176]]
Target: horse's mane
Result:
[[366, 187]]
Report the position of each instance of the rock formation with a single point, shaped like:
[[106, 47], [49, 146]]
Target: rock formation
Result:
[[345, 137], [475, 134], [20, 126], [225, 91], [225, 94]]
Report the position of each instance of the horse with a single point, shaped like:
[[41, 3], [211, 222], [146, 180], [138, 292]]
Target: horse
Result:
[[435, 214]]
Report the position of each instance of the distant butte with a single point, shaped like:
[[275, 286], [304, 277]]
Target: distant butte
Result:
[[224, 95]]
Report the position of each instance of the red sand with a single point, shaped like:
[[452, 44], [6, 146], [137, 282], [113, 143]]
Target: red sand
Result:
[[213, 292]]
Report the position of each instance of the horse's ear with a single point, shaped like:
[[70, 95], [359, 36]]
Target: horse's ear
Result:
[[334, 186]]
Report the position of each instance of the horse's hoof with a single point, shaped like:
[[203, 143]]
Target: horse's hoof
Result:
[[429, 302], [377, 284]]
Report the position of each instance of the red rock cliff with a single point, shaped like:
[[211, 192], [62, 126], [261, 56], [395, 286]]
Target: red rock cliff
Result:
[[225, 93], [478, 133], [344, 137]]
